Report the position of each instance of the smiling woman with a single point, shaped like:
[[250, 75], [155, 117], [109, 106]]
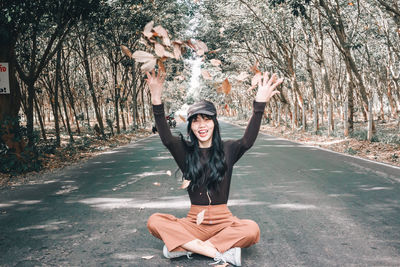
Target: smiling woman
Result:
[[206, 162]]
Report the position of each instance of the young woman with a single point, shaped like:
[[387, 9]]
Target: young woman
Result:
[[206, 161]]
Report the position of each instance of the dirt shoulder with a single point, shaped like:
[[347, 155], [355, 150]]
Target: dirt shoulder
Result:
[[376, 151], [68, 155]]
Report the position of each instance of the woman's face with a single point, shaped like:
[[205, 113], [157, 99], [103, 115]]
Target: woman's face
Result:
[[203, 128]]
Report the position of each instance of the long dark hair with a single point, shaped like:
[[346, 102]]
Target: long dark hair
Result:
[[194, 169]]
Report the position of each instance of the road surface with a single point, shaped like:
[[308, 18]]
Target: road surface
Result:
[[314, 208]]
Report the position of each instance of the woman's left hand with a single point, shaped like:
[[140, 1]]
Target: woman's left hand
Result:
[[267, 86]]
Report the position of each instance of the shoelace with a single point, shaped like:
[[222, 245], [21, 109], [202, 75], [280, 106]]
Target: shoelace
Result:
[[218, 260]]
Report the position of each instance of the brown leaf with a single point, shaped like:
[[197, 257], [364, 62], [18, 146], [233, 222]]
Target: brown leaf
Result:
[[200, 217], [200, 52], [147, 29], [226, 86], [190, 44], [201, 45], [177, 51], [169, 54], [254, 68], [185, 184], [215, 51], [161, 66], [126, 51], [149, 65], [159, 49], [206, 75], [182, 118], [163, 33], [215, 62], [142, 56]]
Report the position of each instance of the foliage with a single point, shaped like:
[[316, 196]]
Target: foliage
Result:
[[13, 161]]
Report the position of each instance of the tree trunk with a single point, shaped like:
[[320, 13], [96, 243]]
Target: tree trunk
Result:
[[71, 137], [40, 119], [10, 104], [91, 87]]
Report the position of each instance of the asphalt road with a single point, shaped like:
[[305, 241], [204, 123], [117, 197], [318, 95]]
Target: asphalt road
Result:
[[314, 208]]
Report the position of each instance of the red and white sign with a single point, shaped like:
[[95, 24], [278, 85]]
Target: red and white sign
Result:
[[4, 78]]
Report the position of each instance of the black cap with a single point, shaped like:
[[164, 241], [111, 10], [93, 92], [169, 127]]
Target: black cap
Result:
[[202, 107]]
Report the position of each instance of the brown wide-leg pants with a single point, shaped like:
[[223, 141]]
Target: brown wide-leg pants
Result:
[[219, 227]]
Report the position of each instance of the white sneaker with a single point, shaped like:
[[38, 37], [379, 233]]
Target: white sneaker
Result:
[[232, 256], [175, 254]]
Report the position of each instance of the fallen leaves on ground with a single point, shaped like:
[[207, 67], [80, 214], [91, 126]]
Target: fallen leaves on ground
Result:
[[76, 152]]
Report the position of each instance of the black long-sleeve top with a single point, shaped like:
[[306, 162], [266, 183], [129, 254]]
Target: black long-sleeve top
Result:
[[234, 150]]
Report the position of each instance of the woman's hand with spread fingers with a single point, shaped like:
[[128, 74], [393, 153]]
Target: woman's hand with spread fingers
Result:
[[155, 83], [267, 86]]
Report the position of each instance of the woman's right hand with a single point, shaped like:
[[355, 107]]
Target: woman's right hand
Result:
[[155, 83]]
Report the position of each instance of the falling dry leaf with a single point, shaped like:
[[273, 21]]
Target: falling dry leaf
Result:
[[169, 173], [182, 118], [156, 183], [169, 54], [149, 65], [200, 217], [254, 68], [142, 56], [159, 49], [147, 257], [177, 51], [256, 78], [226, 86], [215, 51], [185, 184], [126, 51], [242, 76], [206, 75], [215, 62], [163, 33], [147, 29]]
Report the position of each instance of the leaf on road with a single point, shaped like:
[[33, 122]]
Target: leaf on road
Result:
[[147, 257], [157, 184], [169, 173], [206, 75], [200, 217], [185, 184]]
